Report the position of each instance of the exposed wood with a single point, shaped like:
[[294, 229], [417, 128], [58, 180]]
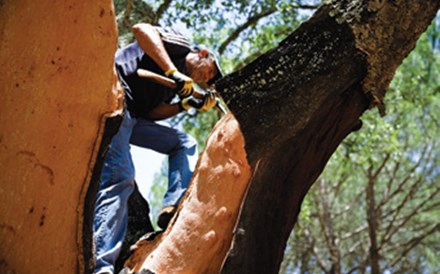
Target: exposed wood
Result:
[[199, 237], [57, 84]]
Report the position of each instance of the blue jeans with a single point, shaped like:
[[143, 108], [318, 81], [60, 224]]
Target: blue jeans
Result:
[[117, 180]]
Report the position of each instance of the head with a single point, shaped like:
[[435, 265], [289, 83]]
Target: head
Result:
[[203, 66]]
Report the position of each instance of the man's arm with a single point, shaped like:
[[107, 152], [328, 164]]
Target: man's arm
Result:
[[164, 111], [151, 43]]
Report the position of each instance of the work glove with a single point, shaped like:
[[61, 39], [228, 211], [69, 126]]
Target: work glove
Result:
[[201, 104], [190, 102], [184, 84], [209, 101]]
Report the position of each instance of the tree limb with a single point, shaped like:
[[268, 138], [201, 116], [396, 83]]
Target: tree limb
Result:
[[411, 244], [127, 13], [315, 250], [372, 220], [399, 188], [353, 233], [253, 20], [162, 8], [390, 231]]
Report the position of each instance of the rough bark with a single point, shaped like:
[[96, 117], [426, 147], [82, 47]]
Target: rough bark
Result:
[[57, 86], [296, 103]]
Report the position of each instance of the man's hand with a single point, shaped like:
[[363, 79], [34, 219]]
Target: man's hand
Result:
[[209, 101], [184, 84], [190, 102], [201, 104]]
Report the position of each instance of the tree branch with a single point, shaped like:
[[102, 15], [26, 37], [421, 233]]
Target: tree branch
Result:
[[399, 188], [389, 230], [349, 206], [411, 244], [353, 233], [162, 8], [391, 180], [406, 218], [127, 13], [315, 251], [372, 220], [380, 168], [338, 185], [253, 20], [325, 219]]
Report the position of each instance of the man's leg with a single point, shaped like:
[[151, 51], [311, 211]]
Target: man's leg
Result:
[[182, 151], [115, 186]]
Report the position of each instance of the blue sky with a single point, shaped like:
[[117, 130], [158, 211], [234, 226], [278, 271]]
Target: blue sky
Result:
[[146, 164]]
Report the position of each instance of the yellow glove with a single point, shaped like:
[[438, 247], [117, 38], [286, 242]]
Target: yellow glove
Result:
[[209, 101], [201, 104], [189, 102], [184, 84]]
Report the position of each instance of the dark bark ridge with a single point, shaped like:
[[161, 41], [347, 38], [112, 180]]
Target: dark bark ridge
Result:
[[291, 129], [87, 261], [296, 104]]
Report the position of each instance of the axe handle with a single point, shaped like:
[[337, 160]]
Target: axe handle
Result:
[[162, 80]]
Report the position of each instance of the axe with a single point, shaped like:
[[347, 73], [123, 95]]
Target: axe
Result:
[[169, 83]]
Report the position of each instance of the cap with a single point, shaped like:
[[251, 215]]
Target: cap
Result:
[[214, 57]]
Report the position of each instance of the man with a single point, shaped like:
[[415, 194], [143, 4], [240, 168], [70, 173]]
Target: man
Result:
[[167, 52]]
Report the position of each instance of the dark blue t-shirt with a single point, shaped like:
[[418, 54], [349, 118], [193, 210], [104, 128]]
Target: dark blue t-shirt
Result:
[[141, 94]]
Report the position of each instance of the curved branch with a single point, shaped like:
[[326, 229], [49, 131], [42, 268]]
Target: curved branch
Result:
[[411, 244], [127, 12], [162, 8], [253, 20]]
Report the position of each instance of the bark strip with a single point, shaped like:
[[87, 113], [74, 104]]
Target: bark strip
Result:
[[200, 235]]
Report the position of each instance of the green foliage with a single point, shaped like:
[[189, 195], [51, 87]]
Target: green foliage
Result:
[[397, 157]]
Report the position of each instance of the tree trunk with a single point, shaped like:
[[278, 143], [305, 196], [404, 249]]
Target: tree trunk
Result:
[[58, 90], [295, 105]]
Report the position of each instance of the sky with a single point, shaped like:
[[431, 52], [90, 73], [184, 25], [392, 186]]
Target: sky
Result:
[[146, 164]]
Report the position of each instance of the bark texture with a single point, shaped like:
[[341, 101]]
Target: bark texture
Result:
[[297, 103], [57, 85]]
